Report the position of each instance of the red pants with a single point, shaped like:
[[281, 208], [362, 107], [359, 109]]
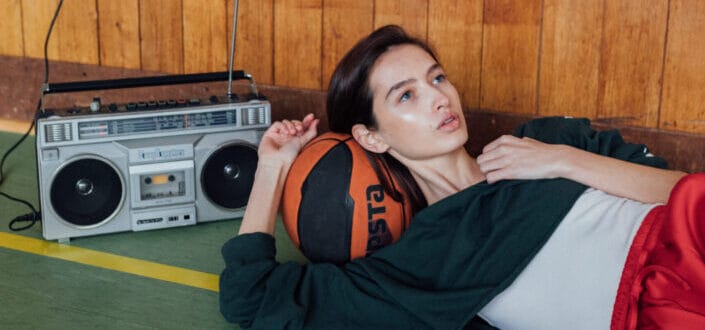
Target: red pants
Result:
[[663, 282]]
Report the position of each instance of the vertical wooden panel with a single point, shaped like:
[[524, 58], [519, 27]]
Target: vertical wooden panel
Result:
[[510, 55], [119, 33], [161, 36], [344, 23], [254, 51], [297, 43], [77, 32], [205, 35], [632, 61], [36, 16], [11, 28], [570, 56], [412, 15], [683, 103], [455, 32]]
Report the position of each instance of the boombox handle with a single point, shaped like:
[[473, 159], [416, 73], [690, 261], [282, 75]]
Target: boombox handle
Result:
[[81, 86]]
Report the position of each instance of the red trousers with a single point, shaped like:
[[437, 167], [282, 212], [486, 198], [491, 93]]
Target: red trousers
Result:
[[663, 282]]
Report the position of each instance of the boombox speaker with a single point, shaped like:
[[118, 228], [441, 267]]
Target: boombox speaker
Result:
[[147, 165]]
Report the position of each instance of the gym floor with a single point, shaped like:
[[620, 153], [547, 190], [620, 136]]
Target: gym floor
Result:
[[159, 279]]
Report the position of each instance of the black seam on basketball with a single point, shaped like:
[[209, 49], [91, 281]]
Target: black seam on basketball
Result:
[[323, 212]]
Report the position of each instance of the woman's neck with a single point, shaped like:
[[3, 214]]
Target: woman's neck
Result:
[[443, 176]]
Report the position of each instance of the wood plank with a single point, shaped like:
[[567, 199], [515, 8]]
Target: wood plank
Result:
[[297, 43], [684, 73], [36, 16], [205, 36], [631, 61], [11, 28], [570, 56], [161, 36], [412, 15], [510, 56], [119, 33], [15, 126], [344, 24], [455, 33], [77, 32], [254, 51]]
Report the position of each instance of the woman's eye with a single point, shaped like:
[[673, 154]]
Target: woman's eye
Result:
[[405, 97], [439, 79]]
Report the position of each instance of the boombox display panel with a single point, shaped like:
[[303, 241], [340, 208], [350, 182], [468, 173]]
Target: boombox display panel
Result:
[[146, 165]]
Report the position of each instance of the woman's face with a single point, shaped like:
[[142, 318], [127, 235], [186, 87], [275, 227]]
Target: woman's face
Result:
[[417, 109]]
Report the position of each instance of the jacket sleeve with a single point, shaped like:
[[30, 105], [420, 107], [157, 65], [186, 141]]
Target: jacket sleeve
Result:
[[258, 292], [578, 133]]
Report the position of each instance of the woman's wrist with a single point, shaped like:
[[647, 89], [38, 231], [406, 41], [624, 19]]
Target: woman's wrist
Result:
[[567, 161], [263, 204]]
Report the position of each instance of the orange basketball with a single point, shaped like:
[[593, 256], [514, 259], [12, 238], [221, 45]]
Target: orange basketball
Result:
[[334, 206]]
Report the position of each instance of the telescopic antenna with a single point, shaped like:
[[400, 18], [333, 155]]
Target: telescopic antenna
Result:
[[232, 51]]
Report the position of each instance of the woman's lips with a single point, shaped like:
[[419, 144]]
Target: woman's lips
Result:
[[449, 123]]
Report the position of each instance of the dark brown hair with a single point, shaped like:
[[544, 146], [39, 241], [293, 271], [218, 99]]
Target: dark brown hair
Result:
[[349, 102]]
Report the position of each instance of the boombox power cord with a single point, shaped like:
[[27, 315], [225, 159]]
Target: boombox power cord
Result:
[[34, 216]]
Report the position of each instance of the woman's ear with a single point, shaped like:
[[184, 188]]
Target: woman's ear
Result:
[[368, 139]]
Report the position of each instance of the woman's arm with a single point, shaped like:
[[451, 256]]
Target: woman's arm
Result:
[[279, 147], [510, 157]]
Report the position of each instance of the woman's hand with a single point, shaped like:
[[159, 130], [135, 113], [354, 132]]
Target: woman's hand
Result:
[[280, 145], [510, 157], [284, 139]]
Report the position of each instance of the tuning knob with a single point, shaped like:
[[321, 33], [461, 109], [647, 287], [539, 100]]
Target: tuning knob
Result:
[[95, 104]]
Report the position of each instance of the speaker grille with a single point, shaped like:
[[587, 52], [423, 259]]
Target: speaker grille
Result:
[[228, 174], [58, 132], [86, 192]]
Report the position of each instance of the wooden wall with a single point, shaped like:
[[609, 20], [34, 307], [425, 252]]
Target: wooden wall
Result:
[[638, 63]]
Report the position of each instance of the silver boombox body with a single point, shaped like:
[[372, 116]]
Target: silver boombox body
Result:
[[147, 165]]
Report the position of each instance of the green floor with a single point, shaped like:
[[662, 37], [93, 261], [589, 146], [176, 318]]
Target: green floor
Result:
[[39, 292]]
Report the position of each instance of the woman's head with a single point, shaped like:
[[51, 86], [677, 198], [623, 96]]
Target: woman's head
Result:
[[349, 96], [390, 92], [391, 84]]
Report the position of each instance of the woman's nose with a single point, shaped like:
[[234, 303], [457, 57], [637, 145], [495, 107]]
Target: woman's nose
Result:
[[440, 100]]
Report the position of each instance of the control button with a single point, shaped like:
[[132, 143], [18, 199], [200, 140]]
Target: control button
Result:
[[161, 103], [95, 104], [181, 103], [141, 105], [194, 101], [152, 104], [74, 111], [50, 154], [214, 99], [131, 106], [112, 107], [171, 103]]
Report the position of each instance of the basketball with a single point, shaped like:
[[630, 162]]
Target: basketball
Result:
[[334, 207]]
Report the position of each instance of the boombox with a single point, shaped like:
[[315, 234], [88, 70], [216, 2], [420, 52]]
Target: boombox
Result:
[[147, 165]]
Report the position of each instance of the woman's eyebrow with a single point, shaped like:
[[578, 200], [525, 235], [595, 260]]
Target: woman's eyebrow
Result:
[[434, 67], [401, 84], [398, 86]]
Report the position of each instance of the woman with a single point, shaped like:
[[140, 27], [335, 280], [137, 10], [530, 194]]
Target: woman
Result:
[[541, 253]]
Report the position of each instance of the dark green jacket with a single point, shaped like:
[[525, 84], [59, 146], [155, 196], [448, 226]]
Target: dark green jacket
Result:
[[458, 254]]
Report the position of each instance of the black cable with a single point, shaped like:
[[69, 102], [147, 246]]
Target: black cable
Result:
[[34, 216], [46, 41]]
